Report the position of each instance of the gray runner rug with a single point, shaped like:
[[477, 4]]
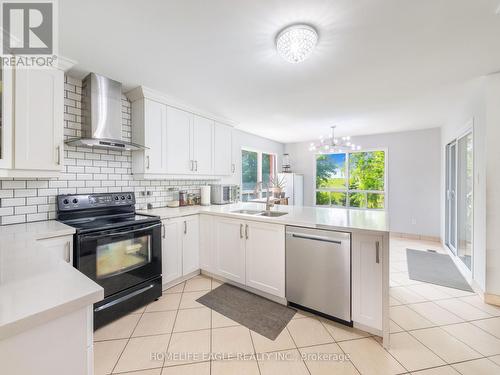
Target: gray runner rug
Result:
[[435, 268], [259, 314]]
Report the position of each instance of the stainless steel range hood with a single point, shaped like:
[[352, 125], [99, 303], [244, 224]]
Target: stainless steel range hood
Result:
[[102, 115]]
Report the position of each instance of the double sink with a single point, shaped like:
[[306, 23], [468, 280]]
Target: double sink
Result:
[[260, 213]]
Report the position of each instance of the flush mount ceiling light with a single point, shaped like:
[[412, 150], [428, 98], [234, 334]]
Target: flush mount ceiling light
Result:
[[296, 42], [333, 145]]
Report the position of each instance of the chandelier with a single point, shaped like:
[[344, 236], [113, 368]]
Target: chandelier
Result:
[[331, 144]]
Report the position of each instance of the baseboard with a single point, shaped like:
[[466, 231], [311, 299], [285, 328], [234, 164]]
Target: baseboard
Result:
[[271, 297], [491, 299], [172, 283], [412, 236]]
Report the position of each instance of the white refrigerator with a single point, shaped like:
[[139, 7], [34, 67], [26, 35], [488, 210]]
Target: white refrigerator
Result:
[[294, 188]]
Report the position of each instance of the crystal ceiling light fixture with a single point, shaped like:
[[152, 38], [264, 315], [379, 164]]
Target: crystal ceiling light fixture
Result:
[[332, 145], [296, 42]]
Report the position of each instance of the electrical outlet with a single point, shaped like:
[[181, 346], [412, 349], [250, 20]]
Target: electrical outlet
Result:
[[413, 221]]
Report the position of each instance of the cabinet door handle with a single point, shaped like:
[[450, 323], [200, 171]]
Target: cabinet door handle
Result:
[[163, 230], [241, 230], [185, 227], [67, 256], [58, 155], [377, 252], [246, 231], [191, 165], [147, 161]]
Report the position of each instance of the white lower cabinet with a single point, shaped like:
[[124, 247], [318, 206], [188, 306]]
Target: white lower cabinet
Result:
[[171, 250], [62, 247], [180, 247], [59, 346], [229, 244], [250, 253], [207, 256], [190, 244], [367, 282], [265, 257]]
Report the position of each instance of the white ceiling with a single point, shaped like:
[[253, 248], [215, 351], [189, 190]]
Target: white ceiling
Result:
[[380, 65]]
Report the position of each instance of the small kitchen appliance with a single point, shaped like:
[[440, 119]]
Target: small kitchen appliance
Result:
[[224, 194]]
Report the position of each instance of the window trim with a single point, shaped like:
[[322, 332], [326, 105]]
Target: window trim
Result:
[[259, 168], [347, 190]]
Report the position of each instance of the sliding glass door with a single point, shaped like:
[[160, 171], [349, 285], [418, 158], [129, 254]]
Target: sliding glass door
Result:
[[465, 181], [451, 196], [459, 197]]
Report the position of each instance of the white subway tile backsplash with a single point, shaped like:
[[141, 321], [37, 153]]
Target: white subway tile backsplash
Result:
[[37, 217], [10, 202], [86, 171], [6, 193], [19, 210], [13, 219], [25, 193], [4, 211], [58, 184], [37, 184], [36, 200], [13, 184]]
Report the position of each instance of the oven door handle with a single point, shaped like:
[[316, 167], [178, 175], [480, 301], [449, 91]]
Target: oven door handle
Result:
[[122, 233]]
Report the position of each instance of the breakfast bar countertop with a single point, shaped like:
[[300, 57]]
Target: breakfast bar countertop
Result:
[[311, 217]]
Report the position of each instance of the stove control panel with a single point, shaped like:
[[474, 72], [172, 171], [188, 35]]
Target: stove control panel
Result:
[[88, 201]]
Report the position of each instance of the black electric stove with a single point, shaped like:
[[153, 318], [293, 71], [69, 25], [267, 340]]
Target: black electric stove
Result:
[[117, 248]]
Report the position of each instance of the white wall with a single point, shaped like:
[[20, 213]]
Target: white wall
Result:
[[243, 139], [493, 184], [413, 173]]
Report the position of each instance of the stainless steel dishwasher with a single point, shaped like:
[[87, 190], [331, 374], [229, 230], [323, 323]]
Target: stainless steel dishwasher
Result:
[[318, 271]]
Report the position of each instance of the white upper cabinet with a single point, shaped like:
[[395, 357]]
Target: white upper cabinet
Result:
[[39, 119], [185, 143], [223, 143], [154, 159], [32, 123], [202, 146], [179, 129]]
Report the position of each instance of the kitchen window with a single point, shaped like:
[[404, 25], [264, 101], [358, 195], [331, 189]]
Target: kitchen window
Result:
[[256, 166], [354, 179]]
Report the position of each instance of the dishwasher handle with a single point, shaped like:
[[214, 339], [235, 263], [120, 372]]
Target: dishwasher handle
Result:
[[314, 238]]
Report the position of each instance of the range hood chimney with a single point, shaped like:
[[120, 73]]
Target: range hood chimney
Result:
[[102, 115]]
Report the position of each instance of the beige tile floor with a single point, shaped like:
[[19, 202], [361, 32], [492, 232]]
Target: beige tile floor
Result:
[[434, 331]]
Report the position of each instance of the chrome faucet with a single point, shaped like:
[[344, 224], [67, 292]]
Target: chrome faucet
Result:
[[269, 203]]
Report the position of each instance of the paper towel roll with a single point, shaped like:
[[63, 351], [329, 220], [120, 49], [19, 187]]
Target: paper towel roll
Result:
[[205, 195]]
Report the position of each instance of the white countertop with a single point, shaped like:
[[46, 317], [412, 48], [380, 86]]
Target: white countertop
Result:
[[35, 230], [35, 286], [312, 217]]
